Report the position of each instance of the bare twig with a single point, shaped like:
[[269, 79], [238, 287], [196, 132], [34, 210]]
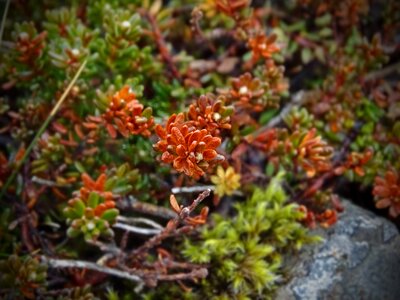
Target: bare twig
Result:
[[16, 222], [80, 264], [171, 264], [170, 228], [146, 221], [134, 229], [145, 208], [104, 259], [198, 273], [46, 182], [191, 189], [197, 15], [106, 247], [161, 45], [186, 211], [197, 189], [383, 72]]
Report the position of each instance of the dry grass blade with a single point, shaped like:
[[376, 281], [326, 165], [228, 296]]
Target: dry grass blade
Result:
[[3, 20]]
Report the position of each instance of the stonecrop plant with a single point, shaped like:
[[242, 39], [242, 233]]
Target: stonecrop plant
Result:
[[185, 149]]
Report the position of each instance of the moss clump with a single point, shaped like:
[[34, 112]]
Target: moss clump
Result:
[[245, 252]]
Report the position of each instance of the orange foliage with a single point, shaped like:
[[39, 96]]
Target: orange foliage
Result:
[[387, 192], [127, 115], [189, 149], [263, 46]]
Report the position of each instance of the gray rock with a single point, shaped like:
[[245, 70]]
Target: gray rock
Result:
[[359, 259]]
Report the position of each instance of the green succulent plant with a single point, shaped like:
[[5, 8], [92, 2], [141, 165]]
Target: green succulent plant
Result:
[[82, 219]]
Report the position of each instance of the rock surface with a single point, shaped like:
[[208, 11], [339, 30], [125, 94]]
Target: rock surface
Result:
[[359, 259]]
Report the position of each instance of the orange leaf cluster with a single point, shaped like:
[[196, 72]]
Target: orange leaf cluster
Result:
[[210, 113], [328, 218], [263, 46], [350, 12], [267, 141], [126, 115], [387, 192], [88, 130], [325, 219], [313, 154], [307, 150], [84, 130], [247, 92], [190, 150], [274, 76], [6, 165], [355, 162], [231, 7], [4, 169], [30, 49], [98, 186]]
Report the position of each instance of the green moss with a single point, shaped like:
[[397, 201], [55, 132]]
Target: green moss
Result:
[[245, 252]]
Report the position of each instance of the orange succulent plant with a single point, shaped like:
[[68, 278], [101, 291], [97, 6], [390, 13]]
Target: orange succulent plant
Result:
[[247, 91], [268, 140], [210, 113], [29, 47], [313, 154], [127, 115], [263, 46], [355, 161], [231, 7], [7, 165], [306, 149], [274, 76], [308, 218], [350, 12], [98, 186], [4, 169], [387, 192], [328, 218], [190, 150]]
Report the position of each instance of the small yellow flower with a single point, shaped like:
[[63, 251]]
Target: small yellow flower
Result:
[[226, 181]]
